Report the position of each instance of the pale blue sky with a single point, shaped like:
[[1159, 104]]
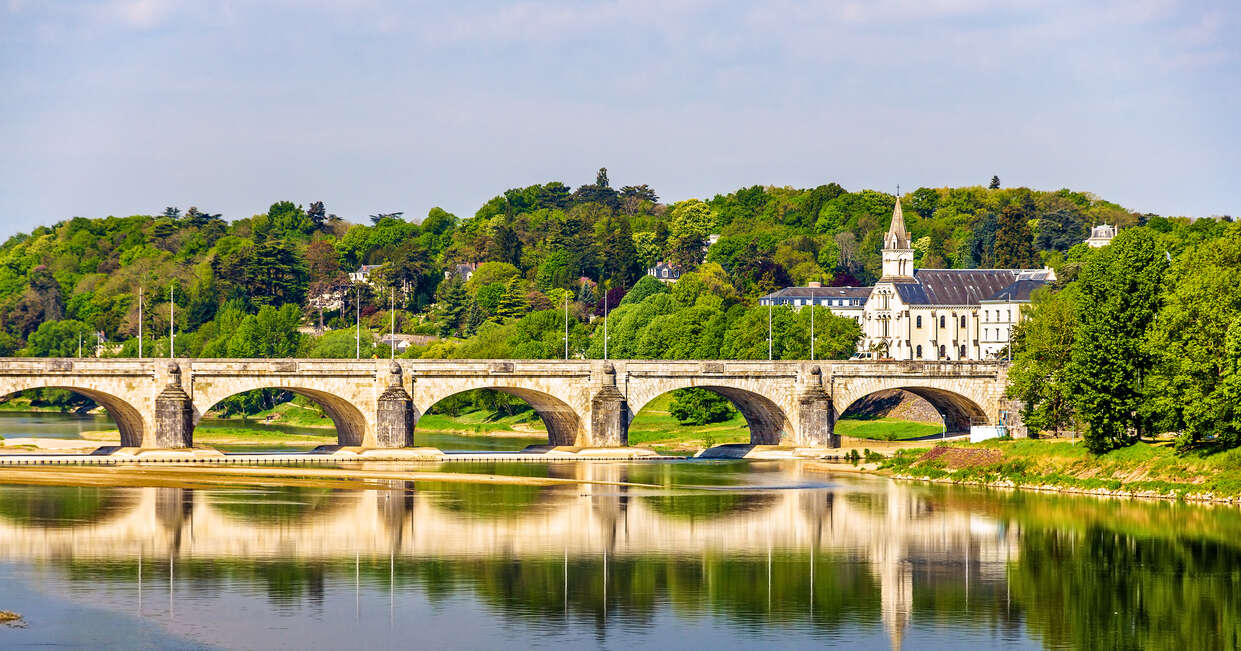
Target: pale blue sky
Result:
[[126, 106]]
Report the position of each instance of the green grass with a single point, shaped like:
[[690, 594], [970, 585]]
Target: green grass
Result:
[[1143, 467], [886, 429], [482, 422], [655, 427]]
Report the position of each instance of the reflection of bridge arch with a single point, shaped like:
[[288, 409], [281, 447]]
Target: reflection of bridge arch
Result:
[[564, 425]]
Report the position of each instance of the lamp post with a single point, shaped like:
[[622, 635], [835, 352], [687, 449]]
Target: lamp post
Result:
[[605, 322], [812, 306], [769, 332], [172, 320], [392, 331], [357, 337], [566, 326], [140, 290]]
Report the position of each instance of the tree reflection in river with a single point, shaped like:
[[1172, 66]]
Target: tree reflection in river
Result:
[[770, 551]]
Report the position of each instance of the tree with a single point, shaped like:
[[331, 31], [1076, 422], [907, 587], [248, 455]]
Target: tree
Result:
[[692, 222], [1119, 297], [995, 183], [60, 339], [1194, 341], [1014, 246], [646, 286], [1042, 346], [513, 303], [618, 253], [317, 215], [699, 407], [453, 304]]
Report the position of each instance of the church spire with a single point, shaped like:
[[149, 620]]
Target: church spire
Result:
[[897, 238]]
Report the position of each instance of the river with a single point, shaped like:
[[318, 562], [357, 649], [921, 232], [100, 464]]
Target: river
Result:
[[659, 555]]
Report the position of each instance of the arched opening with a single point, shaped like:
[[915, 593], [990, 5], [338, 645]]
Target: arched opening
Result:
[[908, 413], [496, 418], [68, 412], [694, 418], [284, 418]]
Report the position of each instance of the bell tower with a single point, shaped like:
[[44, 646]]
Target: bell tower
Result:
[[898, 255]]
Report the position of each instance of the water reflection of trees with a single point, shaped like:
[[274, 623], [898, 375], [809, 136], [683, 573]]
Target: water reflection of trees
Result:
[[64, 506], [1100, 589]]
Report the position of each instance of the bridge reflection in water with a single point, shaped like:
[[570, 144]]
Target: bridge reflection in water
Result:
[[836, 552]]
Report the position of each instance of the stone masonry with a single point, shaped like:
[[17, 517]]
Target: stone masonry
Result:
[[377, 403]]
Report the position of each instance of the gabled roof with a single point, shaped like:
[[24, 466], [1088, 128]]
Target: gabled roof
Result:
[[954, 286], [1017, 292], [821, 292]]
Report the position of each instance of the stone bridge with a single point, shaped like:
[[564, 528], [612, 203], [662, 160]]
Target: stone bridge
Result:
[[588, 403]]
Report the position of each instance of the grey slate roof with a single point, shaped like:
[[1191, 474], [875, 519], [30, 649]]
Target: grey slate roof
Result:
[[821, 292], [958, 286], [1018, 291]]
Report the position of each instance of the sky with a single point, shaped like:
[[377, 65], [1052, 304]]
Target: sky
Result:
[[120, 107]]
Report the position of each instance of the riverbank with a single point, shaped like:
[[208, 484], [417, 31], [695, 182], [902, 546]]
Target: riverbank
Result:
[[1146, 469]]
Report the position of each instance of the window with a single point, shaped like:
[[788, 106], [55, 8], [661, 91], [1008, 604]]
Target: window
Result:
[[943, 352], [919, 351], [919, 324], [962, 352], [1010, 315], [941, 322], [962, 320]]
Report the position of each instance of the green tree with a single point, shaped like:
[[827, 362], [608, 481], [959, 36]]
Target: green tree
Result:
[[1014, 243], [513, 302], [1119, 297], [60, 339], [1190, 340], [692, 222], [700, 407], [1042, 347]]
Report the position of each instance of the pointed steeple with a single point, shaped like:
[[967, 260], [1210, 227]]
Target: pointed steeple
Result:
[[897, 238]]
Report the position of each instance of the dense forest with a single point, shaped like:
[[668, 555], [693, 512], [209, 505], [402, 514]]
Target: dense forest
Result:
[[257, 286]]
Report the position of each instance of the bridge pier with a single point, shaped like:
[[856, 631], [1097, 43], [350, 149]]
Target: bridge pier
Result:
[[174, 414], [609, 415], [816, 418], [394, 414]]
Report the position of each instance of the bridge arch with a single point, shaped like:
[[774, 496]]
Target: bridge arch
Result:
[[351, 424], [768, 420], [565, 424], [128, 418], [958, 409]]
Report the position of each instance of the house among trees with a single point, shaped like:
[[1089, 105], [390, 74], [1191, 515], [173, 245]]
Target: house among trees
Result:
[[1101, 235], [664, 272], [363, 274], [842, 301], [942, 314], [462, 270]]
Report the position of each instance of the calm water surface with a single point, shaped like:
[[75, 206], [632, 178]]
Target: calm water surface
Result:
[[718, 555]]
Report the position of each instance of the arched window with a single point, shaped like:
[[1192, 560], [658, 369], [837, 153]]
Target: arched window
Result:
[[962, 352], [943, 352], [941, 321], [919, 323], [919, 350], [962, 320]]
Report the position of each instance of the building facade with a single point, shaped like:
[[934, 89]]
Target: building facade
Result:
[[942, 314], [1101, 235], [842, 301]]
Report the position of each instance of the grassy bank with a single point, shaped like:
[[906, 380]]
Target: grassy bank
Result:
[[886, 429], [1151, 468]]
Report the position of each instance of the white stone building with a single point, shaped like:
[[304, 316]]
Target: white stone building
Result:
[[1101, 235], [841, 301], [942, 314]]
